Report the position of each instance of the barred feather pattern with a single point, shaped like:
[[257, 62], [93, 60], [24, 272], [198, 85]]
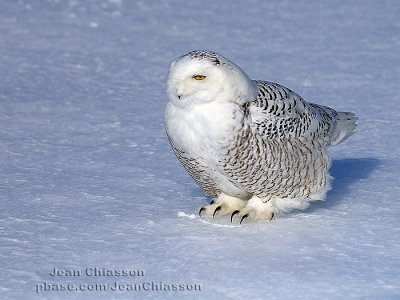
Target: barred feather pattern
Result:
[[281, 149], [198, 170], [279, 113], [277, 168]]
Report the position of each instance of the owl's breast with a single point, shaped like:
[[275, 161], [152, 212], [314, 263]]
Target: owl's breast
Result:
[[203, 130]]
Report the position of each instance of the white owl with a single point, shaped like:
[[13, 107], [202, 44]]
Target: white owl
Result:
[[256, 147]]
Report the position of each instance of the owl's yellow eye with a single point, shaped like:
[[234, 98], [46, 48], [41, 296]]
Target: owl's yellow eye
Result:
[[199, 77]]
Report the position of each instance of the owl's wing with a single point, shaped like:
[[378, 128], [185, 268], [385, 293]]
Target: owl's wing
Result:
[[279, 113]]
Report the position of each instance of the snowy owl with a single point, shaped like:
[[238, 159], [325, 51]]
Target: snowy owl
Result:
[[255, 147]]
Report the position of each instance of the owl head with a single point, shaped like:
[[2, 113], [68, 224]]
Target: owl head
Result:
[[204, 76]]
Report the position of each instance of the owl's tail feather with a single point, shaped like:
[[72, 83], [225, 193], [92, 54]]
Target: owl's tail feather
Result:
[[346, 125]]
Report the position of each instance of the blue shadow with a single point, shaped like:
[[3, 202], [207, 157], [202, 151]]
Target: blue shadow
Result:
[[346, 172]]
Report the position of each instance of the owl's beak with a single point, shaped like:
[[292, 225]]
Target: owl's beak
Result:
[[179, 91]]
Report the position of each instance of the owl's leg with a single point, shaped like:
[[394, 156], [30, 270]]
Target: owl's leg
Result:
[[256, 209], [223, 205]]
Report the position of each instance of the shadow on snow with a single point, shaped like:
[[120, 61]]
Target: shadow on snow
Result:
[[346, 172]]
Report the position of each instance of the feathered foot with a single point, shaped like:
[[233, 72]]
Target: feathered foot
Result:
[[256, 209], [222, 205]]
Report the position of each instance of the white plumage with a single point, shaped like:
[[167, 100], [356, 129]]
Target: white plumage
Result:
[[256, 147]]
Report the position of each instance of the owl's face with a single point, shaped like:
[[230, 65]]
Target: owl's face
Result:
[[202, 76]]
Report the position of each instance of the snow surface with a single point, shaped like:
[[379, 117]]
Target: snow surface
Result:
[[88, 178]]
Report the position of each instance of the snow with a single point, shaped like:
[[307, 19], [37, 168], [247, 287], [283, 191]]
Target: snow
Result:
[[88, 179]]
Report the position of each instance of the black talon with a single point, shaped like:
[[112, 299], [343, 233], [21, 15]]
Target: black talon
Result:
[[233, 214], [272, 216], [216, 210], [244, 217], [201, 210]]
